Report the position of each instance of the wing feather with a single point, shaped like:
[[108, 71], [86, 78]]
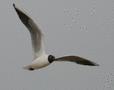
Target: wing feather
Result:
[[77, 59], [35, 32]]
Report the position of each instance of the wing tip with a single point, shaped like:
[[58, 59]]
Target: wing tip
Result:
[[92, 64], [13, 4], [15, 7]]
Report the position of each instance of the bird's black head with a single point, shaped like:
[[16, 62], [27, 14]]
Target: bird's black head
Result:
[[51, 58]]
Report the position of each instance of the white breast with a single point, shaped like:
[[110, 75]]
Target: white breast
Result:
[[40, 62]]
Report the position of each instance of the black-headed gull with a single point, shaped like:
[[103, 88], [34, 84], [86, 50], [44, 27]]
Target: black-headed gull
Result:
[[41, 59]]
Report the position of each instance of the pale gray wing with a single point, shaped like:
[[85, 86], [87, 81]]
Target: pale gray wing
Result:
[[77, 59], [36, 34]]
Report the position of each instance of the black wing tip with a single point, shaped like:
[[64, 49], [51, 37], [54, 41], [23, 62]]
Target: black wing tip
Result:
[[88, 63], [14, 5], [92, 64], [24, 18]]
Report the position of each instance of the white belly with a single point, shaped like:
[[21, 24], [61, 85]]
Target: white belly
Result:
[[39, 63]]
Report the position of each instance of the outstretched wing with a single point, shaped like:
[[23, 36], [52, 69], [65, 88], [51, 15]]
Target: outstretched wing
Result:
[[36, 34], [77, 59]]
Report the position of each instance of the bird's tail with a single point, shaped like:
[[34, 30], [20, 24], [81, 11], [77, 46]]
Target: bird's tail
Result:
[[28, 67]]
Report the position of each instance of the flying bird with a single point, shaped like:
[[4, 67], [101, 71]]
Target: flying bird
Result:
[[41, 59]]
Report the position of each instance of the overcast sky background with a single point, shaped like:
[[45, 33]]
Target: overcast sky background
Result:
[[71, 27]]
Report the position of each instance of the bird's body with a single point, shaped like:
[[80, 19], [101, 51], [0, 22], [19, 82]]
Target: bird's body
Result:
[[38, 63], [41, 59]]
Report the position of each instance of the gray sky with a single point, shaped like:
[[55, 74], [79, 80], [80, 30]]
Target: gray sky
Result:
[[71, 27]]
